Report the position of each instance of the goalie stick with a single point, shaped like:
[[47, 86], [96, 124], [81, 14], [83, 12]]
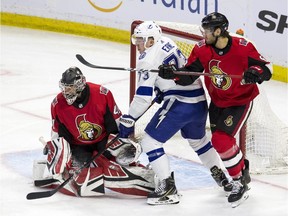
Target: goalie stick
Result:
[[189, 73], [44, 194]]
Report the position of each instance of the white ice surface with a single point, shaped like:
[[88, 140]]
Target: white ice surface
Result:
[[31, 65]]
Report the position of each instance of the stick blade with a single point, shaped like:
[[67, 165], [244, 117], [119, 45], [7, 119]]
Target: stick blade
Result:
[[39, 195], [83, 61], [78, 56]]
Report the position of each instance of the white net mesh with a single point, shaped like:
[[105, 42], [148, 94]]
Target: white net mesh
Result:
[[266, 142], [266, 138]]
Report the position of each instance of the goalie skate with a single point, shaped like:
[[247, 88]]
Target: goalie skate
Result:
[[165, 193]]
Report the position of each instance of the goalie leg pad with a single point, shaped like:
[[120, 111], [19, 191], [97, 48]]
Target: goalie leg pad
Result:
[[59, 155], [90, 182], [39, 167], [133, 180]]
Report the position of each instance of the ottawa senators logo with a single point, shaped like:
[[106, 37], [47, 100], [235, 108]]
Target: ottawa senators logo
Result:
[[87, 130], [229, 121], [218, 80]]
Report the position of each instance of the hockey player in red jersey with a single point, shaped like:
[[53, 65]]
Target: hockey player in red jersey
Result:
[[231, 98], [84, 117]]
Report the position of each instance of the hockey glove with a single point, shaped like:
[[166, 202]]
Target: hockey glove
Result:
[[167, 71], [126, 151], [253, 75], [126, 126]]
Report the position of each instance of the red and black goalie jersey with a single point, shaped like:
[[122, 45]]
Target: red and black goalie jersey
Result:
[[88, 123]]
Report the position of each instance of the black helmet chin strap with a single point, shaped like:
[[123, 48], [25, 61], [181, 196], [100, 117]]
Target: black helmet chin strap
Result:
[[217, 37]]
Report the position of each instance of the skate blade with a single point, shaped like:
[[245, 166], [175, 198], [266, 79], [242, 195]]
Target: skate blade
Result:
[[227, 193], [171, 199], [238, 202]]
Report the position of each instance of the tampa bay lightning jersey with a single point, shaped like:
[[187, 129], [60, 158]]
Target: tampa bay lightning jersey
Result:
[[165, 51]]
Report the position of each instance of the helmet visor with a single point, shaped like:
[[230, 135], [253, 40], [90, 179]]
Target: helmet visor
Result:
[[138, 40]]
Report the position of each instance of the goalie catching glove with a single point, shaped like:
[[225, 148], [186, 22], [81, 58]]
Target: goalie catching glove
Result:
[[126, 151]]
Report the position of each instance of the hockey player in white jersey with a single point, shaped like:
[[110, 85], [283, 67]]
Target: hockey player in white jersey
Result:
[[183, 108]]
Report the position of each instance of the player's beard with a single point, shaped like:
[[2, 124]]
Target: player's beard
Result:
[[211, 40]]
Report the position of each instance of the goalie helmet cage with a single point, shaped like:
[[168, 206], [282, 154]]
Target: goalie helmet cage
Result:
[[263, 139]]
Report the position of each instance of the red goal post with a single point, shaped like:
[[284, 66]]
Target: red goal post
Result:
[[257, 138]]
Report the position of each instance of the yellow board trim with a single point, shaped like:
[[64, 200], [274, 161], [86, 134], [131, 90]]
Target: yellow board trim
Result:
[[54, 25], [280, 73]]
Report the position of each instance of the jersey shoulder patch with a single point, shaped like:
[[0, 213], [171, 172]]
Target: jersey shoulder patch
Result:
[[201, 43], [243, 42], [103, 90]]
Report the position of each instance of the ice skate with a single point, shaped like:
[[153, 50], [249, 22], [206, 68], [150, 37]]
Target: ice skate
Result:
[[221, 179], [239, 192], [240, 188], [165, 193]]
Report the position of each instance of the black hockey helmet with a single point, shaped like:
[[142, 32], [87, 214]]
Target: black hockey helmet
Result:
[[72, 84], [215, 20], [71, 75]]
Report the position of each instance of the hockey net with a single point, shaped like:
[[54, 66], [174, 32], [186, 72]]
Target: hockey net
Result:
[[263, 139]]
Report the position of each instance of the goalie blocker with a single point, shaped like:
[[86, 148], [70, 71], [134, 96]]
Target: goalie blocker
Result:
[[124, 175]]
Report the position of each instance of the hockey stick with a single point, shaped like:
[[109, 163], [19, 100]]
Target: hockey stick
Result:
[[189, 73], [44, 194]]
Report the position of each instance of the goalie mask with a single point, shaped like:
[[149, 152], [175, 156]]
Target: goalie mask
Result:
[[146, 30], [72, 84]]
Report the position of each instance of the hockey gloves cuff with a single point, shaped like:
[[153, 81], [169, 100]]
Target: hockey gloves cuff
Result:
[[126, 126], [167, 71], [253, 75]]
